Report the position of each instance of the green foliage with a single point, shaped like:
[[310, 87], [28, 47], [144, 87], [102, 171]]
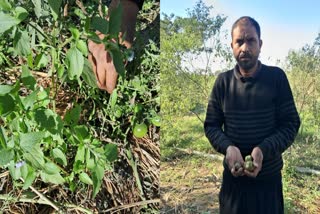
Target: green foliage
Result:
[[185, 87], [303, 68], [43, 140], [36, 143]]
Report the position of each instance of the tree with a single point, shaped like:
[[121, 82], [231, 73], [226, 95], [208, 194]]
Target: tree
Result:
[[303, 68], [185, 87]]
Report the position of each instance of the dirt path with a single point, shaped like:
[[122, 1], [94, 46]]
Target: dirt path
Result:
[[190, 185]]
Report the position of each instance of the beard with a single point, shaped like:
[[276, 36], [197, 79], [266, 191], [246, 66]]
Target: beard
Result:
[[247, 61]]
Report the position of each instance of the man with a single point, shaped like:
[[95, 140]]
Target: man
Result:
[[254, 105], [101, 61]]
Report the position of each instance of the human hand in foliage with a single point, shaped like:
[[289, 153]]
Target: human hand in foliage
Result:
[[100, 58]]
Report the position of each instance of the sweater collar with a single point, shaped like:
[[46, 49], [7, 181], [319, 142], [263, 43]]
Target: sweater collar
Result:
[[238, 75]]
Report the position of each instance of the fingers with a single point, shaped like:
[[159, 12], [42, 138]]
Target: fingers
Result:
[[253, 174], [237, 172], [93, 64], [112, 75], [257, 167]]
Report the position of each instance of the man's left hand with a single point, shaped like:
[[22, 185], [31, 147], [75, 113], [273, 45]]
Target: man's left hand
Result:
[[257, 162]]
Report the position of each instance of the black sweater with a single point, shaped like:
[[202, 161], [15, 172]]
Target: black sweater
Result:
[[253, 111]]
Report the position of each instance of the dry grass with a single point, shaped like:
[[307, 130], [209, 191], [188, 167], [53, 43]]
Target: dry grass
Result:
[[190, 185]]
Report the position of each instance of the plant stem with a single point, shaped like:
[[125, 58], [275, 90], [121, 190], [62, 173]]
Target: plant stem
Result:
[[65, 43], [7, 197], [42, 34], [126, 206], [43, 197], [53, 85], [133, 164]]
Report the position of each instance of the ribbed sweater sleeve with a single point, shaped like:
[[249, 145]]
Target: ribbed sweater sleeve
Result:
[[288, 121], [215, 119]]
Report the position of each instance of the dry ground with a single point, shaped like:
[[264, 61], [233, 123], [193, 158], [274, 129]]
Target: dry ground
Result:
[[190, 185]]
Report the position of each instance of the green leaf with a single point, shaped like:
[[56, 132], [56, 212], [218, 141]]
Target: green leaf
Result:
[[45, 118], [31, 176], [82, 46], [78, 164], [111, 152], [30, 60], [27, 79], [7, 22], [48, 120], [6, 155], [113, 99], [73, 115], [5, 5], [97, 175], [14, 172], [51, 168], [29, 140], [29, 101], [7, 104], [90, 163], [59, 156], [88, 74], [35, 157], [81, 132], [41, 61], [3, 138], [21, 13], [49, 178], [21, 43], [55, 8], [24, 170], [5, 89], [37, 7], [75, 33], [115, 21], [60, 71], [117, 60], [43, 98], [80, 153], [100, 24], [75, 61], [84, 177]]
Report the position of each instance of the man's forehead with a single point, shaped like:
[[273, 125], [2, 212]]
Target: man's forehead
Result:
[[244, 30]]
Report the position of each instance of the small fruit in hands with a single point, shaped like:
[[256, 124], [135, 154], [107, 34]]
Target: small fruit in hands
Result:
[[248, 164], [237, 166], [248, 158], [140, 130]]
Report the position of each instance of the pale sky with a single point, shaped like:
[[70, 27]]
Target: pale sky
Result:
[[285, 24]]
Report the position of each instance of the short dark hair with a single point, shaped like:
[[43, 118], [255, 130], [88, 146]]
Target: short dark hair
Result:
[[249, 19]]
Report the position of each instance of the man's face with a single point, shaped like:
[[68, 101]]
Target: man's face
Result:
[[246, 45]]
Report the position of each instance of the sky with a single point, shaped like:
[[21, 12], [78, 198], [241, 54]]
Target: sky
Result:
[[285, 24]]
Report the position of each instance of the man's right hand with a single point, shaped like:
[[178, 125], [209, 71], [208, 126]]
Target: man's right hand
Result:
[[233, 156]]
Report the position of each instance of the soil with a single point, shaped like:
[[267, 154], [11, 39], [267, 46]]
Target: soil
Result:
[[190, 185]]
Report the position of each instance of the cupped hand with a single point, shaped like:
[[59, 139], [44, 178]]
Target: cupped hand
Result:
[[234, 156], [257, 156]]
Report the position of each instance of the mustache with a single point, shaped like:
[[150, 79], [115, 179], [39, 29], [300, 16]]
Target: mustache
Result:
[[245, 55]]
